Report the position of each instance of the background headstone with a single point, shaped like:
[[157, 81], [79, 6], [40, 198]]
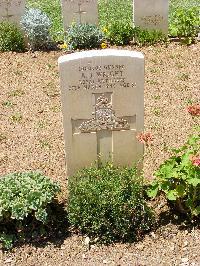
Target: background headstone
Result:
[[103, 107], [151, 14], [12, 10], [79, 11]]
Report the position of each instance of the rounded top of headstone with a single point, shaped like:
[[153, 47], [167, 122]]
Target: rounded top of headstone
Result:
[[100, 53]]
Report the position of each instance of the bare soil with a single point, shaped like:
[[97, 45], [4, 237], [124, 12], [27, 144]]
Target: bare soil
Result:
[[31, 138]]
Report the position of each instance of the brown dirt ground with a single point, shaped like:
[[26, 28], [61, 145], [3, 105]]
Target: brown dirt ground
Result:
[[31, 138]]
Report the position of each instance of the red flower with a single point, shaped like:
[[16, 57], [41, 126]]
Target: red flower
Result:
[[195, 161], [194, 110], [145, 138]]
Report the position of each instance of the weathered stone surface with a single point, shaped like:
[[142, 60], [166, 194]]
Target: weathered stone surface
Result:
[[103, 106], [79, 11], [12, 10], [151, 14]]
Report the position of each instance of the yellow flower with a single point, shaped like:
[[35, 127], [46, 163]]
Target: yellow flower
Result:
[[63, 46], [105, 30], [103, 45]]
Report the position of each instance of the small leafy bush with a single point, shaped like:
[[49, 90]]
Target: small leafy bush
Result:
[[36, 25], [84, 36], [119, 33], [107, 203], [179, 178], [23, 196], [11, 38], [148, 37], [186, 23]]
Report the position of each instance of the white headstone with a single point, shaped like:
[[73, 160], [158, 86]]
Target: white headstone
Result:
[[103, 107], [151, 14], [79, 11], [12, 10]]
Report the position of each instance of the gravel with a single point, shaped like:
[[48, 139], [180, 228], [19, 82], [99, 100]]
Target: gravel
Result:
[[31, 138]]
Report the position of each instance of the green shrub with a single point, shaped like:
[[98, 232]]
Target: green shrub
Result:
[[11, 38], [119, 33], [84, 36], [148, 37], [23, 196], [179, 178], [107, 203], [185, 23]]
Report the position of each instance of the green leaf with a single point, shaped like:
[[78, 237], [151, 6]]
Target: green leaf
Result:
[[166, 169], [166, 186], [41, 215], [180, 189], [171, 195], [153, 191], [196, 211], [7, 240], [194, 181]]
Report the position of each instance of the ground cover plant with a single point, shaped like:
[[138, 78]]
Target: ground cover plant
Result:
[[148, 37], [23, 196]]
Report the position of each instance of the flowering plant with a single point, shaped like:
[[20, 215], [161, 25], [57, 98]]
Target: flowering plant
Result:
[[63, 46], [179, 178], [194, 110], [145, 138]]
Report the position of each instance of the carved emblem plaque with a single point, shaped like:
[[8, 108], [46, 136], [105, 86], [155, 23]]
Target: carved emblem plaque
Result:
[[104, 118]]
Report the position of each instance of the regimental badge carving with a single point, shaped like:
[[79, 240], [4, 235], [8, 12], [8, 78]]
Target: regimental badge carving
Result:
[[104, 118]]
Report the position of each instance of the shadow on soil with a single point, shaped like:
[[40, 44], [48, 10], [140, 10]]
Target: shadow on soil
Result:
[[57, 230], [35, 233], [179, 221]]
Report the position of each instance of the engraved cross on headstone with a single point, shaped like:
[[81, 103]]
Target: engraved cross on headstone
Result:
[[103, 124], [80, 12]]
